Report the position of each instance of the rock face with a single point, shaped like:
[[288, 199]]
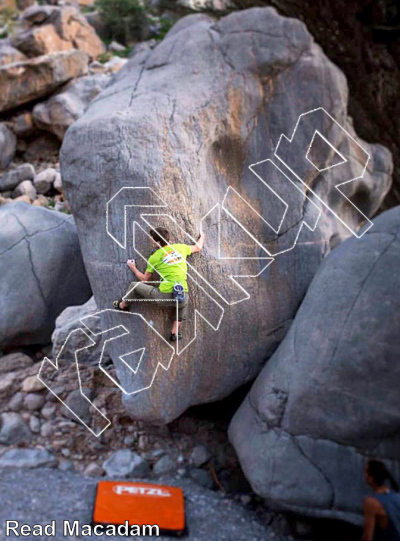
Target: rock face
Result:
[[42, 270], [327, 400], [50, 29], [188, 126], [28, 80], [64, 108]]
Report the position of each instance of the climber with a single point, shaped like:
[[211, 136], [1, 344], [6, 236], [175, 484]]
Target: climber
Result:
[[169, 261], [382, 510]]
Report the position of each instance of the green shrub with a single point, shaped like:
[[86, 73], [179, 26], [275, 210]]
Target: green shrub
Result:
[[125, 21]]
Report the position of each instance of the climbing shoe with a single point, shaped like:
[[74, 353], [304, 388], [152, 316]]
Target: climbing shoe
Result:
[[174, 337]]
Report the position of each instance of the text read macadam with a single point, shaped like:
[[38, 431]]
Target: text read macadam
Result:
[[73, 527]]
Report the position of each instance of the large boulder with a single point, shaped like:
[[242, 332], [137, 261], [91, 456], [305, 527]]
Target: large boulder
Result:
[[188, 126], [62, 109], [327, 400], [42, 272], [50, 29], [29, 80]]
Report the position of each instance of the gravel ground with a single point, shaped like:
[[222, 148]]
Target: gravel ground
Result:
[[39, 496]]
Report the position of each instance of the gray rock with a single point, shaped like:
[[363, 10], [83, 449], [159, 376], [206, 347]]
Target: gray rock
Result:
[[22, 125], [40, 261], [251, 75], [11, 179], [165, 465], [69, 320], [16, 402], [44, 180], [13, 430], [327, 399], [125, 463], [8, 146], [78, 404], [14, 361], [199, 456], [48, 411], [34, 424], [27, 459], [116, 47], [33, 401], [62, 109], [66, 465], [25, 188], [46, 429], [202, 477], [93, 470]]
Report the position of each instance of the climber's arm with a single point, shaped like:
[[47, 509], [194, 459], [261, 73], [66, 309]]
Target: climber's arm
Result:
[[369, 519], [142, 276], [199, 244]]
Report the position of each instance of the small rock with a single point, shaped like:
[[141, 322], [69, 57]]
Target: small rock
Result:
[[199, 456], [66, 465], [44, 180], [41, 201], [129, 440], [48, 411], [79, 405], [14, 361], [115, 64], [46, 430], [202, 478], [143, 442], [66, 452], [13, 430], [57, 182], [125, 463], [115, 47], [6, 383], [22, 125], [32, 384], [93, 470], [28, 458], [34, 424], [16, 402], [11, 179], [25, 188], [245, 499], [165, 465], [33, 401]]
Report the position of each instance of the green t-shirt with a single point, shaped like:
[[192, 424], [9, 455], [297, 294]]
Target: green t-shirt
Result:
[[170, 263]]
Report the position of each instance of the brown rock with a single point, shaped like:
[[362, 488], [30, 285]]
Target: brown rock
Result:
[[9, 54], [25, 81], [52, 29], [32, 384]]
